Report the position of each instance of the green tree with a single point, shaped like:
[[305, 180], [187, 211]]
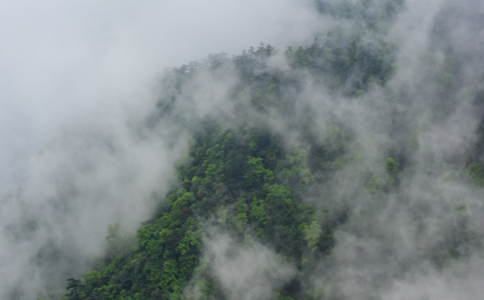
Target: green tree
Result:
[[74, 287]]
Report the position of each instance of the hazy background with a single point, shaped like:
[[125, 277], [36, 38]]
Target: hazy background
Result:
[[65, 60]]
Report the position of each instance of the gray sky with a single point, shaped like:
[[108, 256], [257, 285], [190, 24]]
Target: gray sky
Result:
[[61, 60]]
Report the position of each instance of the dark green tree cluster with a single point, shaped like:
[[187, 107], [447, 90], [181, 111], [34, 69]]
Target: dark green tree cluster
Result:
[[246, 174]]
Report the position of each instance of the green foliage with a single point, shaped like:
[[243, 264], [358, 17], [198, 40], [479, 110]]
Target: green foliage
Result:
[[279, 296], [167, 250], [242, 177], [296, 169], [375, 185], [256, 174], [475, 171], [392, 167], [312, 234], [74, 289], [118, 240], [316, 293]]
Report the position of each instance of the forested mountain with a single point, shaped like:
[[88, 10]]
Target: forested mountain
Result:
[[349, 168]]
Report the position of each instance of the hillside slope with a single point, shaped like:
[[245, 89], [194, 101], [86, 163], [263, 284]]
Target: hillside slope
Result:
[[330, 171]]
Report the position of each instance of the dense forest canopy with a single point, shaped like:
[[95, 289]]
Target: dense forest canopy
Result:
[[347, 168]]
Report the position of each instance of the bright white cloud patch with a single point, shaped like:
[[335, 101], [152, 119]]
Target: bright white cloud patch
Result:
[[246, 272]]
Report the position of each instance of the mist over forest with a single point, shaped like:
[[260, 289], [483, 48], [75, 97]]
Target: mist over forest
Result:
[[283, 150]]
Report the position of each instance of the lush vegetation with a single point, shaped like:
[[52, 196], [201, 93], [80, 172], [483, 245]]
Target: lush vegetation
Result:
[[247, 179]]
